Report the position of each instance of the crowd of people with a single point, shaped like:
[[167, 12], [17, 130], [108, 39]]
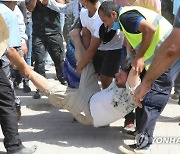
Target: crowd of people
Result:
[[120, 43]]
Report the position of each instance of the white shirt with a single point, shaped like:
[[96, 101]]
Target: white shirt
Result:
[[72, 7], [93, 25], [22, 27], [111, 104]]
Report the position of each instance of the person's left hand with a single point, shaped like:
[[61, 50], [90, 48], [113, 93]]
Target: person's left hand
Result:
[[78, 69], [44, 1], [138, 64], [140, 93], [24, 48]]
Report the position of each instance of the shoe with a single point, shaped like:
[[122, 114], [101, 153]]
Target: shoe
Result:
[[129, 134], [74, 120], [37, 95], [18, 112], [25, 150], [26, 88], [175, 96], [179, 100], [133, 149], [63, 81]]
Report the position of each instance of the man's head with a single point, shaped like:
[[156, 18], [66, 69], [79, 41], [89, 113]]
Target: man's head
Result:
[[108, 12], [87, 2], [121, 77], [4, 35]]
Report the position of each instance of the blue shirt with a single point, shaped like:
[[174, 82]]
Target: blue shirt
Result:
[[12, 24], [176, 5], [131, 20], [177, 20]]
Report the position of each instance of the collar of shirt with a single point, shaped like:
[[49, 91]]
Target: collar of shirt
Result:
[[116, 24]]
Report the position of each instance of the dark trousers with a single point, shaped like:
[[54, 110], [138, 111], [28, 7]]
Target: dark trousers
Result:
[[54, 45], [6, 68], [8, 117], [153, 104], [177, 85]]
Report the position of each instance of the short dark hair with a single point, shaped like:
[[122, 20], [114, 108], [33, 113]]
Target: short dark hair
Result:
[[93, 1], [108, 6]]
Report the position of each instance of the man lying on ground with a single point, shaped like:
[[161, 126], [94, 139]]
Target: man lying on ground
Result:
[[88, 104]]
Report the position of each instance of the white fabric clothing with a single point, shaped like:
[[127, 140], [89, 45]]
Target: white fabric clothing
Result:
[[93, 25], [111, 104], [88, 104], [68, 8], [22, 27]]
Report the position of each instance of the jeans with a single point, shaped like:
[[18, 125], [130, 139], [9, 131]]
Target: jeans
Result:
[[8, 117], [6, 68], [29, 45], [123, 56], [54, 45], [62, 21], [154, 103], [29, 42]]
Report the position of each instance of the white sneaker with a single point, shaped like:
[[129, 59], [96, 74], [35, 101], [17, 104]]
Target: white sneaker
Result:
[[132, 149]]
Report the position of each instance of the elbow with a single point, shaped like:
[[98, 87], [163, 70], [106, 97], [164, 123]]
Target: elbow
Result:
[[153, 30], [30, 8], [172, 51]]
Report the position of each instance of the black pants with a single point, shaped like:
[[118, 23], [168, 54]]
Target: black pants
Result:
[[54, 45], [177, 85], [153, 104], [8, 117]]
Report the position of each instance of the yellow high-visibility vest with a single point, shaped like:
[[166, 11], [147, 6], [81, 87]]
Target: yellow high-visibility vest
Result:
[[163, 30]]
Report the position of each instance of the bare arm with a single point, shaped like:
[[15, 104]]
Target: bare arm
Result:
[[26, 70], [169, 51], [31, 5], [148, 31], [90, 52], [86, 37], [18, 61], [79, 48]]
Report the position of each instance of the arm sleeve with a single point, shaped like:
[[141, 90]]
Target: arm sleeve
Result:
[[14, 40], [22, 27], [58, 7], [13, 27], [82, 17], [131, 20], [177, 20], [97, 27]]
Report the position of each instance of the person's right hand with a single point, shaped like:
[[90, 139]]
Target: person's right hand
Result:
[[78, 70], [44, 1], [140, 93]]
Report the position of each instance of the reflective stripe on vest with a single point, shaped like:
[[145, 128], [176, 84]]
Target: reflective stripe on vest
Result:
[[163, 30]]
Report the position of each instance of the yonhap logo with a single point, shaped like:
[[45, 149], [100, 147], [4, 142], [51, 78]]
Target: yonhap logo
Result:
[[166, 140]]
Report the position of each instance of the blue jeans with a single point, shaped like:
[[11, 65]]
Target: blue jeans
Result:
[[155, 101], [29, 42], [29, 45], [123, 56]]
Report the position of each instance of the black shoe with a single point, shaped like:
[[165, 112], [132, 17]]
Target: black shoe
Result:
[[26, 88], [25, 150], [37, 95], [129, 134], [134, 149], [63, 81], [175, 96], [18, 112]]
